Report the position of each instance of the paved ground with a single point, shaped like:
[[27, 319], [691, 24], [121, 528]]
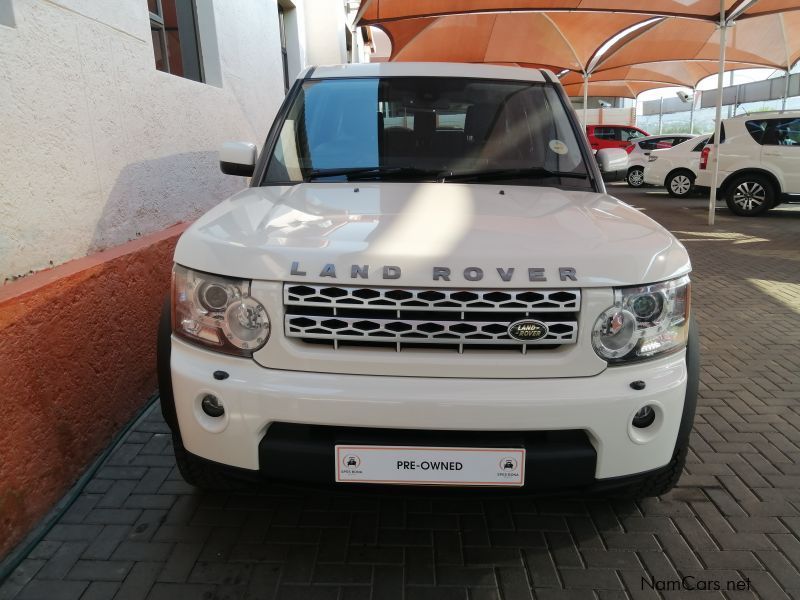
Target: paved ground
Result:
[[138, 531]]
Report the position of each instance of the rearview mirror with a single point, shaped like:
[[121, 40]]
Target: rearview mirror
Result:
[[237, 158], [613, 163]]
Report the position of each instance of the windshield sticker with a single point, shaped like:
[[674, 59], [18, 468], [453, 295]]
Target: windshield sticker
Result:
[[558, 147]]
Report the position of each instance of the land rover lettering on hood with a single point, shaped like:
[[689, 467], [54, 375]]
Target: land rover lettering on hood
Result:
[[426, 283]]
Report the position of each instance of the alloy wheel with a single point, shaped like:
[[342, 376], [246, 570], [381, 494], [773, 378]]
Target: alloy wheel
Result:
[[636, 177], [749, 195]]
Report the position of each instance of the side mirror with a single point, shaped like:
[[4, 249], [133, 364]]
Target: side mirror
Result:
[[613, 163], [237, 158]]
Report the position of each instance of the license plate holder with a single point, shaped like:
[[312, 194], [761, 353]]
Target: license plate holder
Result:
[[430, 465]]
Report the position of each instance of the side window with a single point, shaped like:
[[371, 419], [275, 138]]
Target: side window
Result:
[[451, 120], [648, 144], [700, 146], [721, 135], [757, 130], [284, 51], [628, 134], [605, 133], [787, 132], [173, 26]]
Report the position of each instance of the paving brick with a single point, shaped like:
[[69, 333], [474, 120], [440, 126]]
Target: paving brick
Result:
[[20, 576], [172, 591], [142, 551], [117, 493], [61, 532], [39, 589], [100, 570], [436, 593], [180, 562], [81, 507], [376, 555], [101, 590], [299, 565], [263, 582], [139, 582], [308, 592], [113, 516], [541, 568], [593, 579], [610, 559], [387, 582], [226, 573], [62, 561], [471, 576], [419, 566], [342, 573], [106, 542]]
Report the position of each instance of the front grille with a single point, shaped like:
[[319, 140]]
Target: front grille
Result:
[[410, 318]]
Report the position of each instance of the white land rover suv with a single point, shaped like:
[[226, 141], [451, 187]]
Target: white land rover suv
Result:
[[759, 162], [426, 283]]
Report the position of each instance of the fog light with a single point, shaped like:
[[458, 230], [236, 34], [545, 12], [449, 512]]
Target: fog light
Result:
[[212, 406], [644, 417]]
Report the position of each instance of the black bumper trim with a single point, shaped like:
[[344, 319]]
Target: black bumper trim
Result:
[[305, 453]]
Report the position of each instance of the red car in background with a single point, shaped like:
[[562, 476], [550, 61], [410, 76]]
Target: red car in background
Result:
[[613, 136]]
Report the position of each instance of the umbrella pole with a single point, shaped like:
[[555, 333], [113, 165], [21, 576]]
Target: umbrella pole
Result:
[[785, 91], [585, 98], [723, 38], [691, 111]]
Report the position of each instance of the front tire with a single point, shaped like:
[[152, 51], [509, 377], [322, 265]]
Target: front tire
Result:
[[680, 184], [750, 195], [635, 177]]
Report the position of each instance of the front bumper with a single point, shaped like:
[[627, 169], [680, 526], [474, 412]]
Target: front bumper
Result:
[[256, 398]]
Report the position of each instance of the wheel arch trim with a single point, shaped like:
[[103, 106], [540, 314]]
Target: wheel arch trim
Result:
[[752, 171]]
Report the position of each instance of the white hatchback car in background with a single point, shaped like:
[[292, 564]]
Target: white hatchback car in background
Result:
[[639, 151], [676, 168], [759, 161]]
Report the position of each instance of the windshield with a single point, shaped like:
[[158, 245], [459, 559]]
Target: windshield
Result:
[[427, 129]]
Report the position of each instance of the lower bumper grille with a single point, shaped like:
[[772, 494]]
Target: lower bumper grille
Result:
[[413, 318]]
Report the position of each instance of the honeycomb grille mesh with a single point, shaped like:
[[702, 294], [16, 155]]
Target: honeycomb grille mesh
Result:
[[413, 317]]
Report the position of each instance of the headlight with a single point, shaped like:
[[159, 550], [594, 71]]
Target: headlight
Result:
[[645, 322], [217, 312], [651, 158]]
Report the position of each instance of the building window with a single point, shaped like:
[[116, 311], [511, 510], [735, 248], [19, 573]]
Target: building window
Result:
[[6, 13], [284, 52], [173, 25]]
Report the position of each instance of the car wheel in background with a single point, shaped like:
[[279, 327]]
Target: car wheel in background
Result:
[[635, 177], [679, 184], [749, 195]]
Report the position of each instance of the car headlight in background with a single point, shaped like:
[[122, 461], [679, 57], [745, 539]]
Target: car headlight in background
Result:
[[645, 322], [217, 312]]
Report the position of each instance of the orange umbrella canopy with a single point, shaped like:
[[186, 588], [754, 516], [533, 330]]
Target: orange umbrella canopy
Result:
[[375, 11], [616, 89], [556, 40], [763, 41], [683, 73]]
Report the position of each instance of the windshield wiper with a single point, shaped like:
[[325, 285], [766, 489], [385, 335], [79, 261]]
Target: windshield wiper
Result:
[[520, 173], [356, 173]]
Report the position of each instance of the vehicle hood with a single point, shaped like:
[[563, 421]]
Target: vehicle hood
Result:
[[402, 231]]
